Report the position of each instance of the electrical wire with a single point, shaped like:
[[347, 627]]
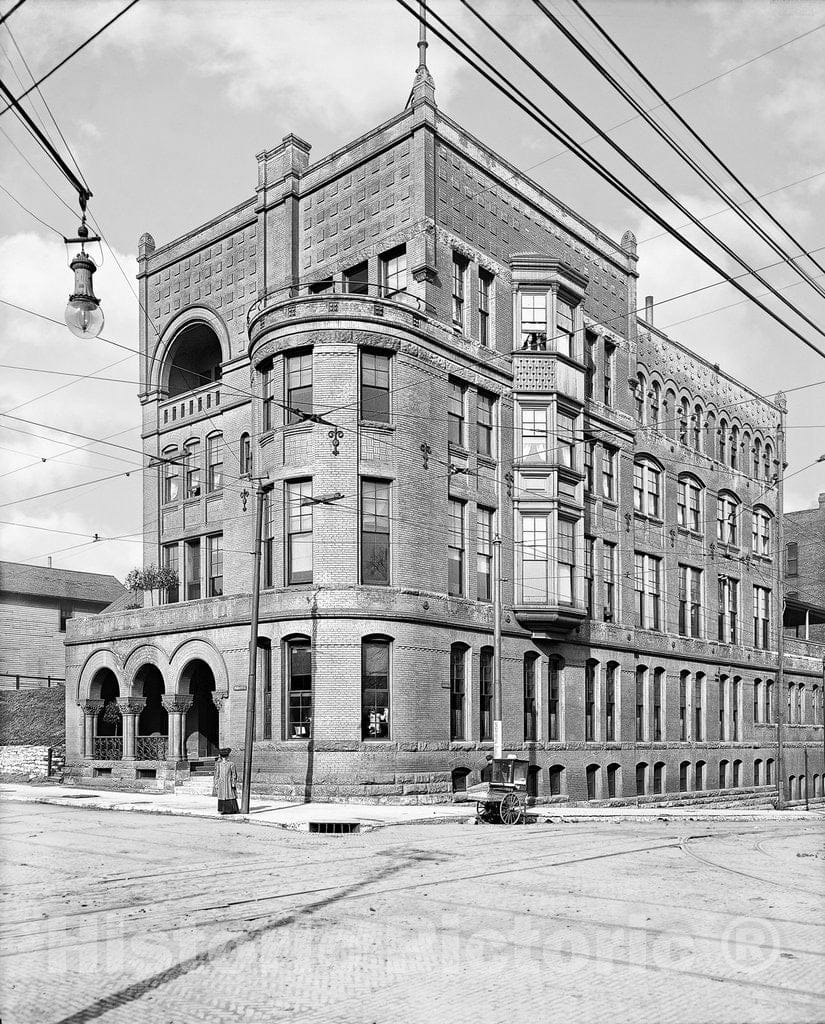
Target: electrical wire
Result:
[[11, 11]]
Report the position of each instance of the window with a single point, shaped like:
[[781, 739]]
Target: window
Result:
[[299, 387], [816, 706], [699, 777], [554, 698], [757, 457], [609, 573], [641, 686], [356, 279], [761, 617], [723, 708], [769, 772], [658, 697], [757, 701], [485, 282], [299, 531], [268, 396], [768, 701], [757, 772], [484, 555], [375, 532], [767, 461], [375, 386], [610, 689], [299, 689], [723, 774], [647, 489], [270, 532], [555, 777], [456, 394], [697, 424], [659, 777], [65, 614], [698, 706], [689, 504], [792, 559], [589, 558], [690, 601], [214, 462], [590, 670], [735, 705], [607, 380], [609, 456], [722, 433], [457, 684], [727, 519], [485, 404], [564, 329], [684, 417], [648, 587], [567, 561], [728, 609], [533, 321], [734, 448], [485, 694], [326, 284], [590, 342], [530, 709], [588, 467], [214, 565], [191, 458], [641, 778], [746, 452], [455, 549], [684, 682], [592, 781], [761, 532], [655, 396], [170, 559], [639, 394], [245, 456], [394, 271], [375, 689], [534, 562], [800, 703], [534, 439], [565, 438], [790, 713], [192, 549], [170, 477], [460, 265], [613, 781]]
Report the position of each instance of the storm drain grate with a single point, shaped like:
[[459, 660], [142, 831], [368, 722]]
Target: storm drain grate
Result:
[[334, 827]]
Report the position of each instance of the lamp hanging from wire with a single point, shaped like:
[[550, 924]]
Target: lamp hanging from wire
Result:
[[84, 317]]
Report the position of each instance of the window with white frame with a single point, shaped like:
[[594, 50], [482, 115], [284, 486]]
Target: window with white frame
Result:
[[565, 336], [456, 403], [214, 462], [192, 461], [690, 601], [689, 504], [609, 472], [460, 265], [609, 576], [727, 519], [456, 548], [214, 565], [534, 559], [485, 405], [299, 531], [761, 617], [566, 439], [375, 532], [647, 488], [728, 609], [648, 589], [393, 269], [534, 434], [375, 386], [268, 396], [485, 291], [484, 554], [170, 476], [533, 320], [567, 560], [761, 532]]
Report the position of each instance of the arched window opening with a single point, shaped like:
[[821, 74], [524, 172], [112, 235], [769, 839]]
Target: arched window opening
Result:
[[684, 420], [485, 694], [153, 721], [727, 518], [757, 458], [699, 776], [640, 392], [591, 669], [614, 781], [556, 780], [458, 778], [458, 654], [684, 776], [647, 488], [533, 776], [734, 448], [817, 785], [655, 403], [722, 434], [554, 691], [641, 778], [767, 463], [792, 787], [769, 772], [757, 772], [697, 427], [530, 672], [592, 775], [298, 664], [375, 688], [737, 774], [194, 360], [659, 777], [171, 474], [245, 456], [746, 452], [723, 775]]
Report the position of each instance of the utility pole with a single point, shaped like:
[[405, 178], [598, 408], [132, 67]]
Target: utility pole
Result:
[[498, 728], [249, 731], [779, 556]]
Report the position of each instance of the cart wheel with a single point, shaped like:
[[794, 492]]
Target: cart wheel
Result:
[[481, 811], [510, 811]]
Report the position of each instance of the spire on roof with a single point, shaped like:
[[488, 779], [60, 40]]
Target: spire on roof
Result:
[[423, 90]]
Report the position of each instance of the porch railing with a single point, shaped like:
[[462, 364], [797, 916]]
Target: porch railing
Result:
[[108, 748], [151, 748]]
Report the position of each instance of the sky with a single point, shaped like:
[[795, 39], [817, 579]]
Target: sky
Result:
[[166, 110]]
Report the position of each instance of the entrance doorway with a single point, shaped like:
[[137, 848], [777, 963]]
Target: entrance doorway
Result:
[[201, 727]]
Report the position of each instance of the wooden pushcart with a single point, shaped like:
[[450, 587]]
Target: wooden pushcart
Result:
[[504, 797]]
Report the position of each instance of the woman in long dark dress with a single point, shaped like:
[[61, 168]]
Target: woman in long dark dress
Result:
[[225, 787]]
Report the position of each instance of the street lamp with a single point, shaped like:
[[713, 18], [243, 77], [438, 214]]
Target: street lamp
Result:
[[83, 316]]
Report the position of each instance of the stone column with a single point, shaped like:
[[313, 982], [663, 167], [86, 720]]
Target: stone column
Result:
[[218, 700], [130, 708], [90, 709], [176, 707]]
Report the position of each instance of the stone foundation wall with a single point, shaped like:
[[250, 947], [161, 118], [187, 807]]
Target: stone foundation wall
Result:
[[33, 761]]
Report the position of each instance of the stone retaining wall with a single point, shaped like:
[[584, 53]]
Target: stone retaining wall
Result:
[[26, 760]]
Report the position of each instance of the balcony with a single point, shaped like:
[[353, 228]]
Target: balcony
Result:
[[555, 620], [300, 304], [202, 401]]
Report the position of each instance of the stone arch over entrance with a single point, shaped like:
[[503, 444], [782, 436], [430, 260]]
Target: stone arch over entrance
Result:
[[203, 651], [201, 724], [96, 661], [104, 690], [146, 654], [153, 720], [190, 353]]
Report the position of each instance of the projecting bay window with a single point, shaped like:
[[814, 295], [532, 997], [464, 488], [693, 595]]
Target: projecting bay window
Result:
[[375, 532], [761, 617], [375, 689], [456, 404], [728, 609], [690, 601], [298, 656], [394, 271], [214, 565], [647, 489], [533, 324], [565, 335], [214, 462], [566, 439], [192, 565], [170, 477], [455, 549], [648, 589], [485, 288], [609, 573], [484, 554], [299, 531], [534, 559], [460, 265], [375, 386], [170, 560], [567, 561], [485, 405], [534, 434], [298, 386]]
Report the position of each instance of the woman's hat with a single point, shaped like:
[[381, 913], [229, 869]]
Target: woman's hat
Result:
[[225, 751]]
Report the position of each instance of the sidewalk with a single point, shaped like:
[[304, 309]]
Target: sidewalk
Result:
[[283, 814]]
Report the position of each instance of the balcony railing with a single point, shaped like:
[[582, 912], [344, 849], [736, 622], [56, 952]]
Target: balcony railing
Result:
[[334, 292], [108, 748], [151, 748], [191, 404]]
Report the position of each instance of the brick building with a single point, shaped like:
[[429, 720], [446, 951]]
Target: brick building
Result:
[[36, 602], [805, 571], [470, 352]]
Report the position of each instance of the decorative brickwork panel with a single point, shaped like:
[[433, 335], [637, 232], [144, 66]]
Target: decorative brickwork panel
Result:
[[534, 373], [298, 448], [191, 514], [376, 445], [171, 520]]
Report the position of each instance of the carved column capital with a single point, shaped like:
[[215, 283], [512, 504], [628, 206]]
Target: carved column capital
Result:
[[176, 704], [131, 705], [218, 699], [90, 707]]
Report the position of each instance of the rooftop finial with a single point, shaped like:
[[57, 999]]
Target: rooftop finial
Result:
[[423, 89], [422, 36]]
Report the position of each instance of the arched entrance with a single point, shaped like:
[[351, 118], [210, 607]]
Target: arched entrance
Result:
[[103, 737], [151, 742], [201, 727]]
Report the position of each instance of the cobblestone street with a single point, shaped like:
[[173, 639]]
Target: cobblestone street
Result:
[[124, 918]]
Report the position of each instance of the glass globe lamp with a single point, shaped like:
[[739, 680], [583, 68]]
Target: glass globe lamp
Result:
[[84, 317]]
